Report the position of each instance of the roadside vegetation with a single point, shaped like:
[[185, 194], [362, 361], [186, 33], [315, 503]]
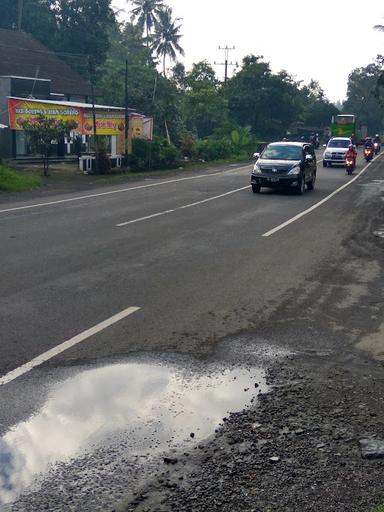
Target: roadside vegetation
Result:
[[17, 181], [197, 117]]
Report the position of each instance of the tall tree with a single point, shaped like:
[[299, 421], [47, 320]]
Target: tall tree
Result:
[[362, 98], [167, 36], [83, 28], [202, 71], [145, 13], [37, 18], [204, 107], [65, 27], [266, 102], [148, 91]]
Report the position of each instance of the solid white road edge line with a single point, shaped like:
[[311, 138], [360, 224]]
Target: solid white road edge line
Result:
[[327, 198], [119, 191], [42, 358], [140, 219]]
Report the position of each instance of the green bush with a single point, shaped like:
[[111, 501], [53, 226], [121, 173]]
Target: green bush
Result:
[[214, 149], [16, 181], [188, 146], [156, 154]]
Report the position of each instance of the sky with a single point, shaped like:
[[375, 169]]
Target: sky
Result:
[[323, 40]]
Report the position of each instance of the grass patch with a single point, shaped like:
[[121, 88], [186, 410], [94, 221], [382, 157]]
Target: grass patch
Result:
[[17, 181], [380, 508]]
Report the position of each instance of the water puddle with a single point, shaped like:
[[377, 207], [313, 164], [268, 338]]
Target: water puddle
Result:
[[143, 408], [379, 233]]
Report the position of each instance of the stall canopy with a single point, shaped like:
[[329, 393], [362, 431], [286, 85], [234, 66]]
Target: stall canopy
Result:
[[109, 120]]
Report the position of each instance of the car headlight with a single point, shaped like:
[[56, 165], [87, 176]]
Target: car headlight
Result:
[[295, 170], [328, 155], [256, 169]]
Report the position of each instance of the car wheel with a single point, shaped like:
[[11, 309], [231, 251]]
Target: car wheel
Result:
[[325, 164], [256, 189], [311, 184], [301, 186]]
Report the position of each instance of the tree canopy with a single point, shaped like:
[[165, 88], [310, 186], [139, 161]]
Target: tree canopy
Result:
[[256, 103], [364, 95]]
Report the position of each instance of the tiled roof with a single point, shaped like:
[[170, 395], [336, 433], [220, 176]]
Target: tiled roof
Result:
[[22, 55]]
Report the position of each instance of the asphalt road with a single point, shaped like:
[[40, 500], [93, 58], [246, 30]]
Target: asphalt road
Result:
[[200, 271], [189, 252]]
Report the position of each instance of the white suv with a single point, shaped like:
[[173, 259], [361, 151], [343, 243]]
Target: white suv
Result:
[[335, 151]]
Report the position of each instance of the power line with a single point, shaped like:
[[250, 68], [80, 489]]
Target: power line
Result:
[[226, 62]]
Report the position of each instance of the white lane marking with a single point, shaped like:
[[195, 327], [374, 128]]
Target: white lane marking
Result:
[[309, 210], [42, 358], [165, 212], [147, 217], [118, 191]]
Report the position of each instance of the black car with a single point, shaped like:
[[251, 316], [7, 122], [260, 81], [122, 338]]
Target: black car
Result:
[[285, 164]]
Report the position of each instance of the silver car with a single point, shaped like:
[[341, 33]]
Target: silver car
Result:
[[335, 151]]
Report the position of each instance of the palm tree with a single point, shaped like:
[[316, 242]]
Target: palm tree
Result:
[[145, 12], [166, 36]]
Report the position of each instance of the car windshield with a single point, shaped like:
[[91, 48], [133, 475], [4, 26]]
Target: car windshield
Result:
[[343, 143], [282, 153]]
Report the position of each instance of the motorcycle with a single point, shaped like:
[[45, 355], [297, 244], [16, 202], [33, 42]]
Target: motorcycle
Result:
[[376, 145], [368, 154], [349, 165]]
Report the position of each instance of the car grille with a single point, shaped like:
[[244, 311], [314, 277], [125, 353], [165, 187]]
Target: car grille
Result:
[[272, 170], [338, 156]]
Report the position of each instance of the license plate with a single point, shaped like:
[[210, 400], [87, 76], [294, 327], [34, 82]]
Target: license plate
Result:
[[274, 180]]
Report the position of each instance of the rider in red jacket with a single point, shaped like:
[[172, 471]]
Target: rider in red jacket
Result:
[[351, 153]]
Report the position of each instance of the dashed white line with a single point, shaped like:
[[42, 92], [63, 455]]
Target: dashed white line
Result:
[[320, 203], [118, 191], [42, 358], [165, 212]]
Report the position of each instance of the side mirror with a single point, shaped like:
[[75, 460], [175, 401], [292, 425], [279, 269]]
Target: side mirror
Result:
[[309, 158], [324, 145], [256, 155]]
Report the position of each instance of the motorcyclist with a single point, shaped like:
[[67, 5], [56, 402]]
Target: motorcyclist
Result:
[[368, 143], [377, 143], [312, 139], [351, 153]]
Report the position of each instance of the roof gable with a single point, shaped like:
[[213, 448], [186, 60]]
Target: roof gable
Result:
[[22, 55]]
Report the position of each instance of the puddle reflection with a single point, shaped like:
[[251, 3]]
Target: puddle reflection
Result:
[[148, 407]]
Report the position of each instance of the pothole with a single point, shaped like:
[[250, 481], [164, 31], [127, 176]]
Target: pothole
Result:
[[141, 409]]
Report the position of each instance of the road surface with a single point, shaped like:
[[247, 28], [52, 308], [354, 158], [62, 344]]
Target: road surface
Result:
[[158, 266]]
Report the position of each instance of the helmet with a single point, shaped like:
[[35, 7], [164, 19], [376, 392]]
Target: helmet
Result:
[[377, 134]]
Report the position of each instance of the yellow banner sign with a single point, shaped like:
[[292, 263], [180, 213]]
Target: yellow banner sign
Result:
[[24, 110], [107, 122]]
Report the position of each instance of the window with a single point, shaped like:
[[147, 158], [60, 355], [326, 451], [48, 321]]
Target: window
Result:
[[282, 153]]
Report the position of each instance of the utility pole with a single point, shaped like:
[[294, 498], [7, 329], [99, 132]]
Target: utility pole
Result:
[[226, 49], [19, 14], [126, 117], [91, 68]]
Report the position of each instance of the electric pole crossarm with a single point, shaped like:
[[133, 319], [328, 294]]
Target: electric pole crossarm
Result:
[[226, 49]]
